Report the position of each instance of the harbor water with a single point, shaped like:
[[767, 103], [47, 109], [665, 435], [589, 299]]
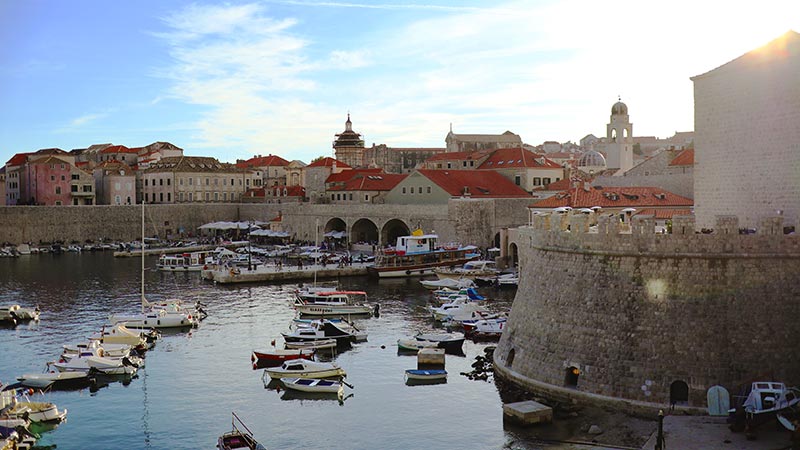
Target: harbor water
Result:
[[192, 381]]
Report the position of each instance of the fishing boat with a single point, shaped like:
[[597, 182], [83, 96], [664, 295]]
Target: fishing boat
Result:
[[301, 368], [185, 262], [419, 254], [426, 375], [470, 270], [280, 355], [327, 303], [318, 331], [238, 438], [314, 385], [41, 412], [764, 401]]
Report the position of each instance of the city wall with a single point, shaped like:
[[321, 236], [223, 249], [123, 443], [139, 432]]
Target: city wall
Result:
[[462, 220], [635, 312]]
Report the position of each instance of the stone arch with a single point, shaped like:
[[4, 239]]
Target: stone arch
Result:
[[513, 255], [510, 358], [392, 229], [571, 375], [678, 393], [497, 240], [364, 230], [335, 224]]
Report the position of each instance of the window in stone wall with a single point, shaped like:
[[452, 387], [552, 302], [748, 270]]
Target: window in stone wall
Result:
[[58, 190], [545, 181], [571, 376], [537, 181], [429, 190]]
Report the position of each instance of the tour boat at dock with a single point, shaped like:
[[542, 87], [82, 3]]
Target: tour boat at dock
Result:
[[327, 303], [417, 255], [185, 262]]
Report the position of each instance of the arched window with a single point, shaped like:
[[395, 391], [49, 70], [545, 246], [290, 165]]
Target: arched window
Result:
[[510, 358], [678, 393], [571, 376]]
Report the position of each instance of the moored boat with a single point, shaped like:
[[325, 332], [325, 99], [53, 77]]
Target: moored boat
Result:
[[313, 385], [184, 262], [471, 270], [450, 342], [322, 344], [280, 355], [412, 344], [426, 375], [54, 379], [237, 438], [35, 411], [449, 283], [320, 330], [417, 255], [301, 368], [327, 303]]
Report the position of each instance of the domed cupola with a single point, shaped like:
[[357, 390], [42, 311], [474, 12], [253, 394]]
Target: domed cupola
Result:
[[619, 108], [593, 159]]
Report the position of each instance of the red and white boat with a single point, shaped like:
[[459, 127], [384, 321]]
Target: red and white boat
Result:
[[279, 355]]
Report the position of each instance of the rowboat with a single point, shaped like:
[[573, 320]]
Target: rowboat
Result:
[[302, 368], [281, 355], [451, 343], [426, 375], [411, 344], [237, 438], [313, 385], [322, 344]]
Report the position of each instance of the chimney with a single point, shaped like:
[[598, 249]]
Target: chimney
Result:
[[466, 191]]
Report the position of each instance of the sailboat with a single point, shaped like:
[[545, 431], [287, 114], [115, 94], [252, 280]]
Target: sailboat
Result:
[[151, 317]]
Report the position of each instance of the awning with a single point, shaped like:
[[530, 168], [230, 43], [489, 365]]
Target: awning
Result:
[[269, 233], [335, 234]]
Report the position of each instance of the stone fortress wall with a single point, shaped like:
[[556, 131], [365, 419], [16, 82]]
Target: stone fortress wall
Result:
[[472, 221], [635, 311]]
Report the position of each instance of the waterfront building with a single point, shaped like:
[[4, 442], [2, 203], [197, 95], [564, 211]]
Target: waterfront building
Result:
[[275, 194], [365, 186], [524, 168], [747, 154], [115, 183], [272, 168], [315, 175], [190, 179], [426, 187], [52, 180], [348, 146], [476, 142], [13, 183]]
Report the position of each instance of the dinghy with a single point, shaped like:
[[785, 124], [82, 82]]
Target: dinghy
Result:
[[280, 355], [314, 385], [426, 375], [302, 368], [238, 439]]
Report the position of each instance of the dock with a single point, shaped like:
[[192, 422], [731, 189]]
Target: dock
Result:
[[528, 412], [172, 250], [271, 273]]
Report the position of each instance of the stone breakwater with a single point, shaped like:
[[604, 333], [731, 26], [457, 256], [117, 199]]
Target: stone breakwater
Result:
[[639, 320]]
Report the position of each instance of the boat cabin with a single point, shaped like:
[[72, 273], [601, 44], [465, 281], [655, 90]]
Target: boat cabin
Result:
[[407, 245]]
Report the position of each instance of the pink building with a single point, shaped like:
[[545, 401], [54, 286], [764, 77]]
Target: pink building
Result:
[[47, 181]]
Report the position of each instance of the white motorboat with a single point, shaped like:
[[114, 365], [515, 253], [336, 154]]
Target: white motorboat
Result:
[[450, 283], [485, 328], [55, 379], [319, 330], [120, 334], [36, 411], [185, 262], [16, 313], [110, 350], [159, 318], [135, 361], [458, 310], [765, 401], [105, 365], [417, 255], [314, 385], [412, 344], [470, 269], [301, 368], [327, 303]]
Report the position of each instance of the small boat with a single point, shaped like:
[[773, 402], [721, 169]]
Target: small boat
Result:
[[281, 355], [485, 328], [765, 400], [98, 363], [314, 385], [302, 368], [184, 262], [458, 310], [450, 283], [426, 375], [470, 269], [322, 344], [417, 255], [451, 343], [412, 344], [236, 438], [157, 318], [110, 350], [320, 330], [120, 334], [54, 379], [34, 411], [15, 314], [327, 303]]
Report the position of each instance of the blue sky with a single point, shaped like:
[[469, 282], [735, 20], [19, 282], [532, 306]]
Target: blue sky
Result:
[[235, 79]]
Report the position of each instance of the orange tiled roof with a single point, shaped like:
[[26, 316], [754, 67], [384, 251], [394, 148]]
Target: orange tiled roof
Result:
[[328, 162], [517, 157], [18, 159], [264, 161], [346, 175], [684, 158], [450, 156], [480, 183], [370, 182], [614, 197], [117, 149]]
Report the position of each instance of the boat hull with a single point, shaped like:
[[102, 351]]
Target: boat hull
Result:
[[327, 310], [282, 355], [426, 375], [313, 385]]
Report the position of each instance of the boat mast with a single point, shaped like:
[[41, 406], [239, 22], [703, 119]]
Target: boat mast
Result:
[[142, 290]]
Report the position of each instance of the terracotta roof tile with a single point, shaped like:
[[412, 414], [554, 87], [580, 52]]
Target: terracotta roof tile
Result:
[[684, 158], [264, 161], [450, 156], [117, 149], [517, 157], [480, 183], [328, 162], [614, 197], [346, 175], [18, 159], [370, 182]]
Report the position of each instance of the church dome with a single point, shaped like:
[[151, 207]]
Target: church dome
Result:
[[619, 108], [592, 158]]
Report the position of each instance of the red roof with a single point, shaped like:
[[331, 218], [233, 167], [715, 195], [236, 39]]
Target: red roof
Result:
[[517, 157], [479, 183], [18, 159], [117, 149], [664, 213], [369, 182], [346, 175], [684, 158], [328, 162], [586, 196], [560, 185], [264, 161]]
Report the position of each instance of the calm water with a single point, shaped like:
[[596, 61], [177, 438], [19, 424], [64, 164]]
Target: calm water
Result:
[[192, 381]]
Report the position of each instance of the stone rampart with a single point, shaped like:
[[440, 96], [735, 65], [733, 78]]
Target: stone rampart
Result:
[[635, 312]]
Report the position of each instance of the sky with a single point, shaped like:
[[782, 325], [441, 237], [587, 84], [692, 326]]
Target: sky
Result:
[[240, 78]]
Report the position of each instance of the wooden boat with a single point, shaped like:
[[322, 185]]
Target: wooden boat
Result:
[[451, 343], [237, 438], [313, 385], [281, 355], [426, 375], [301, 368], [412, 344], [417, 255]]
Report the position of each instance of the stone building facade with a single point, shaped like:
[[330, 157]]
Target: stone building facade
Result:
[[189, 179], [638, 313], [477, 142], [747, 138]]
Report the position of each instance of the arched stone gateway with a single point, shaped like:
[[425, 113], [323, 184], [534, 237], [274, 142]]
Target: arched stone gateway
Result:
[[497, 240], [392, 229], [335, 224], [678, 393], [513, 255], [571, 376], [364, 231]]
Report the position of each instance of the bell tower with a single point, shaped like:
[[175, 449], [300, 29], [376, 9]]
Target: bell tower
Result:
[[348, 146], [619, 139]]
